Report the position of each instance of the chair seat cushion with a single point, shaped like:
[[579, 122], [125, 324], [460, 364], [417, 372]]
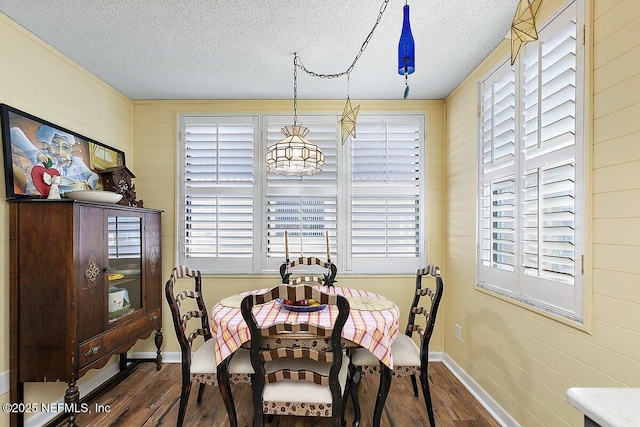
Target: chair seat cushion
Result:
[[204, 367], [203, 361], [240, 369], [306, 392], [241, 362], [405, 352], [404, 349]]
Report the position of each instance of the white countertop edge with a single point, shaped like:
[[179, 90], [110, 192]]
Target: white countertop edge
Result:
[[609, 407]]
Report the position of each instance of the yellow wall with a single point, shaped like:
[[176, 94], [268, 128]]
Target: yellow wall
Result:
[[39, 80], [155, 148], [526, 361]]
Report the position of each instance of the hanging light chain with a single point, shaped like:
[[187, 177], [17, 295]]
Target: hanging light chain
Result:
[[295, 88], [299, 64]]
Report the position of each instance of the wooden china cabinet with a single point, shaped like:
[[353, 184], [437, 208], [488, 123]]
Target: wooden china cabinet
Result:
[[85, 285]]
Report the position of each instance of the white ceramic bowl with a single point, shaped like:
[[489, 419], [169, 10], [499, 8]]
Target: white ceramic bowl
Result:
[[93, 196]]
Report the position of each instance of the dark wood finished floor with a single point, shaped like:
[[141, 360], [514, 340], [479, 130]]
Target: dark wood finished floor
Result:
[[150, 398]]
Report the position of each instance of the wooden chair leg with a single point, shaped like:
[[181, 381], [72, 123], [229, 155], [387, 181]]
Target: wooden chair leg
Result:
[[225, 391], [184, 399], [345, 398], [201, 392], [383, 391], [258, 415], [414, 383], [424, 381], [355, 384]]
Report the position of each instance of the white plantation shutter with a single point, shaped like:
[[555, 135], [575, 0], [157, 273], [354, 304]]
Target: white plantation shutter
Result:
[[549, 80], [306, 207], [369, 197], [497, 223], [549, 223], [216, 222], [386, 215], [498, 119], [536, 233]]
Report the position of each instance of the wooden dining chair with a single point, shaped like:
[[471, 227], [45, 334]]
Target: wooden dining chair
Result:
[[307, 379], [327, 278], [408, 358], [201, 366]]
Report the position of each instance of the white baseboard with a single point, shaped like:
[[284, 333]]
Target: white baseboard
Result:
[[496, 411], [167, 357]]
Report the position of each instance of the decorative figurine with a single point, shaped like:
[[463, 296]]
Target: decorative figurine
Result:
[[54, 182]]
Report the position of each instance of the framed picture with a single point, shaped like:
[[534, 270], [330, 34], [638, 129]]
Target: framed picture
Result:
[[34, 148]]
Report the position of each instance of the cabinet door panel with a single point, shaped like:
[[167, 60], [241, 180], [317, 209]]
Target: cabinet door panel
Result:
[[153, 265], [125, 232], [90, 272]]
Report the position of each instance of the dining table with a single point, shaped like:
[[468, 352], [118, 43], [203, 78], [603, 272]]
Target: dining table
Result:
[[372, 324]]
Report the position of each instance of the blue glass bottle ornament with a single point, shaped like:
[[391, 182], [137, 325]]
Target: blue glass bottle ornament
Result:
[[406, 47]]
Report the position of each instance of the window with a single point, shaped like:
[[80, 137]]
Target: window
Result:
[[216, 224], [386, 190], [368, 199], [305, 207], [531, 172]]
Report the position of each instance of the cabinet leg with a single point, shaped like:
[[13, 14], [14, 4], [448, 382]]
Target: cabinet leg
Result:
[[16, 395], [72, 400], [158, 341], [124, 361]]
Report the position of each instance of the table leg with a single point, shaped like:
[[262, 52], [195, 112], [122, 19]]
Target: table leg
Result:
[[225, 391], [383, 391]]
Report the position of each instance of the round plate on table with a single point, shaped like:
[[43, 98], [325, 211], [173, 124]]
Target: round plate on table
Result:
[[302, 308]]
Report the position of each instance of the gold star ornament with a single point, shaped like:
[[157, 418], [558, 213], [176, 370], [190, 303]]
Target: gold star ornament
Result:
[[523, 27], [348, 120]]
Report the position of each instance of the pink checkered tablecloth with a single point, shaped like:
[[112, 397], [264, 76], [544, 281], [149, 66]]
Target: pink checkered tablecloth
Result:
[[374, 329]]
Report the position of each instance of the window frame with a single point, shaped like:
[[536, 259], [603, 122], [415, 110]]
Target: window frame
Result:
[[204, 264], [516, 286]]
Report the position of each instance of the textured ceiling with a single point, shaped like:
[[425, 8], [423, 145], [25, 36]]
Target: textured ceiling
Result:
[[221, 49]]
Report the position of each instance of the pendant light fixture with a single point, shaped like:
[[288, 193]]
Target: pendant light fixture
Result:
[[406, 51], [295, 155]]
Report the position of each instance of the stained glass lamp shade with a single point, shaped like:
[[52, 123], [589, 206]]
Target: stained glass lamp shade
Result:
[[294, 155]]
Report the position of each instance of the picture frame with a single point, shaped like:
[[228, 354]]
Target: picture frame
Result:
[[34, 147]]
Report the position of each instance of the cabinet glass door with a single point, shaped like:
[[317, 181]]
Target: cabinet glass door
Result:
[[125, 265]]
